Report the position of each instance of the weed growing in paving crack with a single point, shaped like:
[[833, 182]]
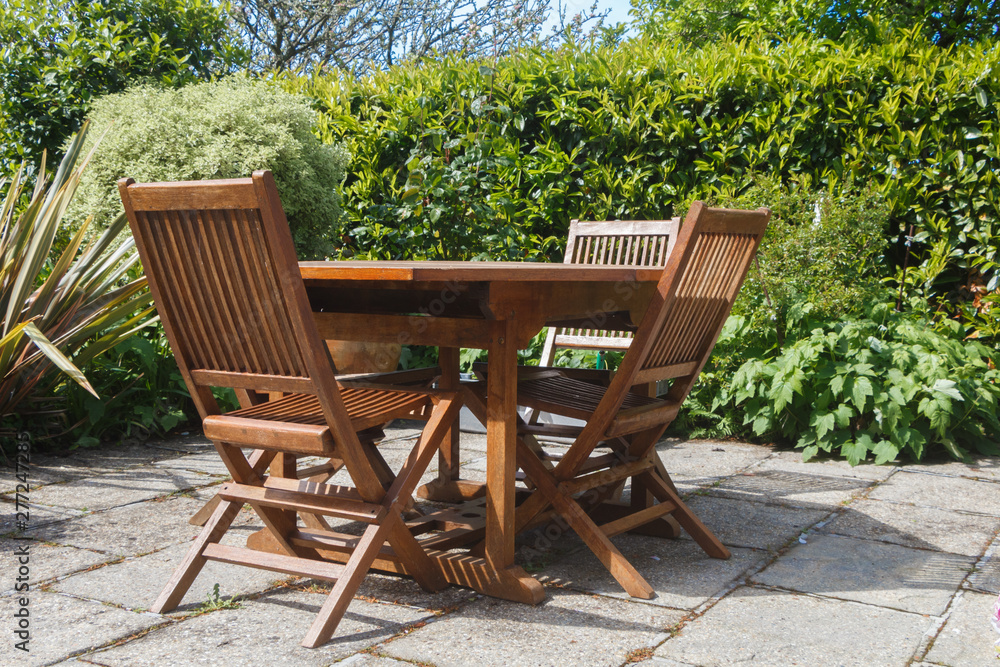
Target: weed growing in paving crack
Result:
[[214, 602]]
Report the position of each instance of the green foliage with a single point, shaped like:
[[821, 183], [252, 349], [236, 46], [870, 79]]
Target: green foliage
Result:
[[69, 305], [55, 57], [871, 21], [223, 129], [875, 389], [635, 132], [821, 249], [215, 601], [142, 394]]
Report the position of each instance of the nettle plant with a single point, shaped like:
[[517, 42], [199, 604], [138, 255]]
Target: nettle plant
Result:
[[886, 386]]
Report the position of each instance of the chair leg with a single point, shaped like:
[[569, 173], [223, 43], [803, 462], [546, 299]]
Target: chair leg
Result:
[[391, 528], [330, 615], [701, 534], [184, 576], [619, 567]]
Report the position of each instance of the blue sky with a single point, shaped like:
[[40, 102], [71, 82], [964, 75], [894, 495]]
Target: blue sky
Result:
[[619, 9]]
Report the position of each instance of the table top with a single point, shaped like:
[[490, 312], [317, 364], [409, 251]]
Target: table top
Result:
[[432, 271]]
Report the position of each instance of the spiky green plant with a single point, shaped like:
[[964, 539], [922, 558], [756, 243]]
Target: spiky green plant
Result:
[[58, 308]]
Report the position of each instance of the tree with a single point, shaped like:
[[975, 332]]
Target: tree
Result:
[[360, 35], [55, 57], [696, 22]]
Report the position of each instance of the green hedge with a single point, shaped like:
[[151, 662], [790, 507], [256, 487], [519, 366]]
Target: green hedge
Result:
[[222, 129], [460, 159]]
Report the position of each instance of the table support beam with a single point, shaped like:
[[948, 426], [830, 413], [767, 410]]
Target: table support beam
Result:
[[501, 439]]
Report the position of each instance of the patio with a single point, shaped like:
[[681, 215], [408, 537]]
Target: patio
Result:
[[889, 565]]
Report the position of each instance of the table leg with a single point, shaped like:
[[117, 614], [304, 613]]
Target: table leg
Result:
[[448, 458], [501, 442], [449, 487]]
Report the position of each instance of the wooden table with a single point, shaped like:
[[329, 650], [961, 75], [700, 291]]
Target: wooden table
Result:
[[497, 306]]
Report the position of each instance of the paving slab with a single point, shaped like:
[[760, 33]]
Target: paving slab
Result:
[[978, 467], [566, 629], [186, 442], [119, 488], [62, 626], [40, 471], [378, 587], [764, 627], [875, 573], [110, 458], [791, 461], [986, 577], [918, 527], [967, 637], [703, 462], [38, 515], [134, 529], [135, 583], [208, 462], [805, 490], [45, 561], [264, 631], [931, 490], [742, 523], [681, 574], [369, 660]]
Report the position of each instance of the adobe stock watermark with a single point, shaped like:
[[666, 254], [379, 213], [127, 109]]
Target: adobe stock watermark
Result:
[[21, 556]]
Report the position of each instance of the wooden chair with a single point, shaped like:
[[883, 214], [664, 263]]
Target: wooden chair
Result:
[[618, 242], [222, 268], [674, 340]]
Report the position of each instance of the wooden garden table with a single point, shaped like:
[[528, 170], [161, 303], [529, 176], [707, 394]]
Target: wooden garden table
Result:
[[496, 306]]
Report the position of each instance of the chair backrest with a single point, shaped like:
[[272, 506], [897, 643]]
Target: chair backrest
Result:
[[615, 242], [222, 268], [694, 297]]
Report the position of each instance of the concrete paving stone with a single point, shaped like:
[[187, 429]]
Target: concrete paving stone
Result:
[[45, 561], [38, 515], [62, 626], [369, 660], [267, 630], [741, 523], [978, 467], [135, 529], [952, 493], [566, 629], [813, 490], [36, 475], [190, 441], [986, 577], [111, 458], [135, 583], [918, 527], [405, 429], [378, 587], [875, 573], [207, 462], [967, 638], [681, 574], [791, 461], [115, 489], [702, 462], [762, 627]]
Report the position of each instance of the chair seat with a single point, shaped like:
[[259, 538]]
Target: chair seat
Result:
[[296, 422], [572, 397]]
